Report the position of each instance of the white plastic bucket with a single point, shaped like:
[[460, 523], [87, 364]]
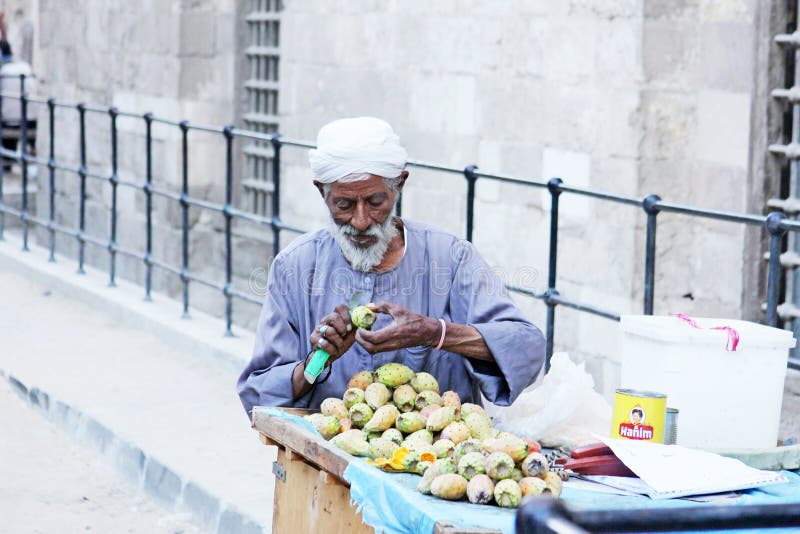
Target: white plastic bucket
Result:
[[727, 399]]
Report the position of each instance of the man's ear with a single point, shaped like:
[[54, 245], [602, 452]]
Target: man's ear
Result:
[[319, 187], [403, 178]]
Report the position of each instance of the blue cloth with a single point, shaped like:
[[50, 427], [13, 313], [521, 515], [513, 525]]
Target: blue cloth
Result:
[[440, 276]]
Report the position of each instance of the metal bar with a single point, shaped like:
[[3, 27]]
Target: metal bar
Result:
[[51, 168], [601, 195], [557, 299], [23, 149], [710, 214], [82, 174], [277, 142], [228, 242], [148, 192], [554, 186], [2, 172], [469, 174], [184, 126], [776, 232], [650, 205], [113, 180]]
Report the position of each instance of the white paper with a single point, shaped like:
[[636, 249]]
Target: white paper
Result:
[[673, 471]]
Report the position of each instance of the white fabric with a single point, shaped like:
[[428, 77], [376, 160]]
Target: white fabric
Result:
[[356, 146]]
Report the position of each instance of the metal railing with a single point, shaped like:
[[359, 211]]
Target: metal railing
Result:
[[775, 223]]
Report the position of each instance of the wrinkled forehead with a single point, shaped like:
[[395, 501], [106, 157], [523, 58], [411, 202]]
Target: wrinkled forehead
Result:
[[362, 188]]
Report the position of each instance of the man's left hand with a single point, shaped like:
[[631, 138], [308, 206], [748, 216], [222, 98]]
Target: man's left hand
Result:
[[409, 329]]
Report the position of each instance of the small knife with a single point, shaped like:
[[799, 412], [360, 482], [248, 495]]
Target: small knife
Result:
[[320, 357]]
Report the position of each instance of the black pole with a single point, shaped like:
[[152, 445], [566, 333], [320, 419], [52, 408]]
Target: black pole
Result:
[[184, 125], [650, 205], [114, 181], [276, 194], [148, 193], [51, 168], [776, 231], [228, 133], [23, 160], [2, 167], [554, 186], [82, 175], [469, 174]]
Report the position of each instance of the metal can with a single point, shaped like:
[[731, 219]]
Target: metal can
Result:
[[639, 415], [671, 426]]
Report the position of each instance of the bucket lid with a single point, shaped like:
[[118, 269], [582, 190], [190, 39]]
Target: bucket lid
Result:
[[672, 329]]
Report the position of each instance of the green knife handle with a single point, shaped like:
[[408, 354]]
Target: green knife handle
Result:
[[316, 365]]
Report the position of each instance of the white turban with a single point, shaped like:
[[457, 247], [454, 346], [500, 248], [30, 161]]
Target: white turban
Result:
[[361, 145]]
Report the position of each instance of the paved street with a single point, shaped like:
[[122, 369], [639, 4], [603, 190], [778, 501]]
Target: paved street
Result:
[[50, 485]]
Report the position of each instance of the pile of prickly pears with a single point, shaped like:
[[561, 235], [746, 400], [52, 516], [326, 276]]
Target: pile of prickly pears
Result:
[[399, 419]]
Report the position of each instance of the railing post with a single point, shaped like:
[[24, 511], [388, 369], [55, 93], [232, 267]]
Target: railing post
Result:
[[184, 125], [148, 193], [469, 174], [82, 175], [226, 211], [276, 194], [114, 181], [650, 205], [23, 159], [554, 186], [776, 231], [2, 167], [51, 169]]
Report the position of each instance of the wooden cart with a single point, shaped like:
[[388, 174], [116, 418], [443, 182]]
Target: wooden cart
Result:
[[311, 495]]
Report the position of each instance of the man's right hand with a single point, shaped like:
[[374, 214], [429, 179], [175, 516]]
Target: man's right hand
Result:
[[339, 333]]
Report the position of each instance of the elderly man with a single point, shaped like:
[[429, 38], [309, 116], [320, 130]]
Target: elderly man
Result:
[[441, 308]]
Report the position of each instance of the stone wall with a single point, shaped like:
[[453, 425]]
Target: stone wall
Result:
[[632, 97]]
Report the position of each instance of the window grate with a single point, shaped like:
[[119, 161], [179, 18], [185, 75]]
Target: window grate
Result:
[[262, 57]]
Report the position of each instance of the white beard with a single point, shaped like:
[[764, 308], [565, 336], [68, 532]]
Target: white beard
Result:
[[365, 259]]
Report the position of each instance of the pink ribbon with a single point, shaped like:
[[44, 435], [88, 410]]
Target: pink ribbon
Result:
[[733, 335]]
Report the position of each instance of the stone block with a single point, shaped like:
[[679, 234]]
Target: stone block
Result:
[[445, 104], [669, 125], [726, 57], [197, 76], [203, 506], [618, 53], [198, 33], [574, 168], [234, 522], [671, 9], [723, 127], [161, 483], [605, 9], [670, 52]]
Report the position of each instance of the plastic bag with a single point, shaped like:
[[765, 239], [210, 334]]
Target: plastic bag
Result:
[[564, 410]]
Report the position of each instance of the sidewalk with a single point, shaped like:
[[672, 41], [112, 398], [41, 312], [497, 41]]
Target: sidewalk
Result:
[[163, 412]]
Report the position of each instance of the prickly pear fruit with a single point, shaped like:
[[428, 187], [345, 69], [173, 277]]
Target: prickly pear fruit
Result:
[[445, 465], [352, 397], [532, 486], [394, 374], [480, 489], [468, 408], [427, 398], [517, 474], [554, 484], [422, 466], [423, 435], [471, 464], [418, 445], [363, 317], [383, 418], [507, 493], [335, 407], [394, 435], [382, 448], [480, 427], [533, 445], [439, 419], [411, 460], [377, 395], [443, 448], [456, 432], [327, 425], [534, 465], [409, 422], [433, 471], [352, 442], [499, 465], [449, 486], [371, 434], [404, 397], [511, 445], [451, 398], [465, 447], [428, 410], [424, 382], [360, 414], [360, 380], [345, 424]]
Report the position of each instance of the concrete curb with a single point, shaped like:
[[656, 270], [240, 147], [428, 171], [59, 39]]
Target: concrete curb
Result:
[[171, 489]]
